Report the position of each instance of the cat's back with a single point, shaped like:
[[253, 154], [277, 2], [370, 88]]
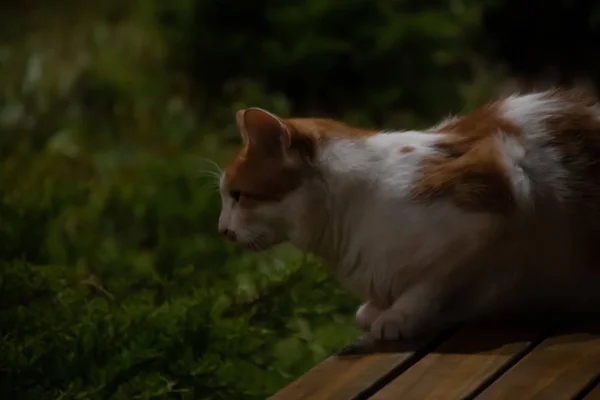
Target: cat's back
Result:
[[558, 133], [562, 142], [562, 125], [534, 154], [535, 161], [549, 139]]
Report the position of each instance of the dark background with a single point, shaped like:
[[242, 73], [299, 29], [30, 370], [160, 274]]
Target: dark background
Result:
[[113, 281]]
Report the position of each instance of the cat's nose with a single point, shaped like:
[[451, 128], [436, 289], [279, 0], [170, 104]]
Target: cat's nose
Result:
[[228, 233]]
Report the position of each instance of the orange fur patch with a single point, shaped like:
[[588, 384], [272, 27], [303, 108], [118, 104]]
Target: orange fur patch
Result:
[[406, 149], [260, 178], [468, 169], [481, 123], [270, 178]]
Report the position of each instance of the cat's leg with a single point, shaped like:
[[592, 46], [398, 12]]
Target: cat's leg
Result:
[[366, 314], [411, 314]]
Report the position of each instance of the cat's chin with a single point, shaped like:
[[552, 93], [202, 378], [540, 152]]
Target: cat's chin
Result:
[[252, 248], [257, 247]]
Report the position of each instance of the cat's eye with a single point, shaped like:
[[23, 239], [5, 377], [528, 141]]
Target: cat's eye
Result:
[[235, 195], [238, 196]]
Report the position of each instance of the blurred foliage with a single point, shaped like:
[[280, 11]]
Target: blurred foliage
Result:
[[113, 282]]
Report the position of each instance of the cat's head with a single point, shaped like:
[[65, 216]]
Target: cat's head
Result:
[[268, 187], [262, 187]]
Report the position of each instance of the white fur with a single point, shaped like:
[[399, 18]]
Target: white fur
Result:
[[528, 113], [382, 243], [409, 260]]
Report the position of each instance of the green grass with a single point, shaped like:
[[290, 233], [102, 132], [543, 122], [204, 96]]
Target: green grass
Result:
[[113, 280]]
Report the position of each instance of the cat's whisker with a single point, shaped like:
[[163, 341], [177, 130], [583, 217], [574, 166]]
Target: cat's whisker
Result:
[[213, 178], [211, 185], [207, 172], [209, 175], [212, 188], [212, 163], [213, 173], [259, 243]]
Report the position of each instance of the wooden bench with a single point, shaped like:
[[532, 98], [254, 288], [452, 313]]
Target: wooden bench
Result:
[[482, 362]]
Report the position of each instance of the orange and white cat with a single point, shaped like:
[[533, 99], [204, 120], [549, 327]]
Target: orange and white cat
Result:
[[498, 210]]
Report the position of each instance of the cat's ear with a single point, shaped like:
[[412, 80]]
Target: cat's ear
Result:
[[263, 132]]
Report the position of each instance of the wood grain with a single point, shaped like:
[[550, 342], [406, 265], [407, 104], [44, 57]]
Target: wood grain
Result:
[[480, 363], [556, 369], [459, 366], [345, 377]]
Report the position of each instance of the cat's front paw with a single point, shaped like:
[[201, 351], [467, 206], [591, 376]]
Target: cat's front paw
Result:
[[366, 314], [392, 325]]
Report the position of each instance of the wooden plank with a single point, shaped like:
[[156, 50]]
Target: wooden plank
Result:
[[346, 377], [556, 369], [459, 366], [594, 394]]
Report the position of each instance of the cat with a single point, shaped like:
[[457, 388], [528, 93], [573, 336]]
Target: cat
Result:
[[494, 211]]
